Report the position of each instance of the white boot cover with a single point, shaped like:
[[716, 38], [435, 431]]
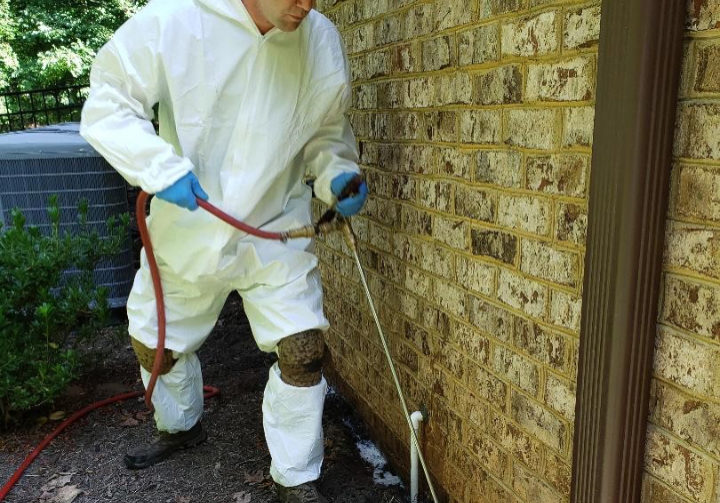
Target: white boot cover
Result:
[[292, 418], [178, 395]]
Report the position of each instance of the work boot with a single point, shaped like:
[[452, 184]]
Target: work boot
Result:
[[304, 493], [164, 445]]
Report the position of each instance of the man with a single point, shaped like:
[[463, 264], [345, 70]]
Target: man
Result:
[[252, 96]]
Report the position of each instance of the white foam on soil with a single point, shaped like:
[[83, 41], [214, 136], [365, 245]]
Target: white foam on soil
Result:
[[372, 455]]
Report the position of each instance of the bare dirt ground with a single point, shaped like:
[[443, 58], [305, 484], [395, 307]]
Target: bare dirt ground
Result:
[[84, 464]]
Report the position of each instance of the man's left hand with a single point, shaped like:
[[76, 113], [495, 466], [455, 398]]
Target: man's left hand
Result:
[[352, 204]]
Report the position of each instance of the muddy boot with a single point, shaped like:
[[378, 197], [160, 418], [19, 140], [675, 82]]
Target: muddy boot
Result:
[[304, 493], [164, 445]]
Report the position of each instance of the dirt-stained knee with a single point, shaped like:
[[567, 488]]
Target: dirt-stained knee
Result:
[[146, 357], [300, 358]]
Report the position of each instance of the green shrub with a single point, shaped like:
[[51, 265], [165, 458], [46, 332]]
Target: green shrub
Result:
[[44, 312]]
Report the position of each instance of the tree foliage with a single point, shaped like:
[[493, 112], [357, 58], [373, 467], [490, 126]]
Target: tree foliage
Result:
[[46, 43]]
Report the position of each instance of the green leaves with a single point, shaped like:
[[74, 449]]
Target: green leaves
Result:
[[45, 43], [44, 311]]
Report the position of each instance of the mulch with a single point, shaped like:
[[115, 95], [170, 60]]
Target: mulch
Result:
[[84, 464]]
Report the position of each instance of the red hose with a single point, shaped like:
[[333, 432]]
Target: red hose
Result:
[[210, 391]]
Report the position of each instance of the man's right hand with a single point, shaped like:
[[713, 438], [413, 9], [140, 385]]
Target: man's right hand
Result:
[[184, 192]]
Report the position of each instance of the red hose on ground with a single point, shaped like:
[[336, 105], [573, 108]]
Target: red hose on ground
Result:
[[210, 391]]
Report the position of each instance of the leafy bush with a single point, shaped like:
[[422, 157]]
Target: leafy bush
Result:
[[45, 311]]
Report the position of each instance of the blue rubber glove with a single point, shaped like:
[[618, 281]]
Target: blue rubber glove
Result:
[[183, 192], [350, 205]]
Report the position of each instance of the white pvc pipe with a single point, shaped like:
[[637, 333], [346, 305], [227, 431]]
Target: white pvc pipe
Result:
[[416, 418]]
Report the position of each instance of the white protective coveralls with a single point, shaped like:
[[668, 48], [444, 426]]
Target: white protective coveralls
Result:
[[250, 115]]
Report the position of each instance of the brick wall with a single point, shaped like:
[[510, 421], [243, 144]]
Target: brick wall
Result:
[[683, 447], [475, 122]]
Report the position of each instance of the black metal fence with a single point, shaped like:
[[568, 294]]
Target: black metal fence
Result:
[[41, 107]]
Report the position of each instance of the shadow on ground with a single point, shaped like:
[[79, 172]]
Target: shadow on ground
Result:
[[84, 464]]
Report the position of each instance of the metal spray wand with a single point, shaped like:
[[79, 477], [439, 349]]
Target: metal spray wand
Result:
[[352, 245]]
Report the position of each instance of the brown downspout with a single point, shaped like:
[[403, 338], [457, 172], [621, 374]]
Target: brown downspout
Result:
[[638, 76]]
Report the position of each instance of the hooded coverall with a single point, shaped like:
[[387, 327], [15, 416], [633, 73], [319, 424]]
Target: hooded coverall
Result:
[[250, 115]]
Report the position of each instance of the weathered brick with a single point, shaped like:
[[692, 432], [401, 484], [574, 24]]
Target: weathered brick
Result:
[[451, 13], [449, 297], [518, 443], [707, 76], [578, 125], [388, 30], [544, 345], [571, 223], [415, 221], [522, 293], [405, 58], [655, 492], [695, 421], [453, 88], [453, 233], [435, 195], [497, 167], [693, 248], [474, 203], [698, 193], [405, 126], [684, 470], [480, 126], [530, 488], [410, 158], [379, 126], [479, 45], [703, 15], [558, 174], [418, 282], [441, 126], [360, 39], [560, 396], [365, 96], [692, 306], [540, 422], [430, 257], [689, 363], [565, 310], [582, 27], [438, 53], [531, 37], [453, 361], [531, 214], [515, 368], [490, 8], [498, 86], [454, 162], [418, 93], [496, 244], [698, 131], [419, 338], [360, 123], [390, 94], [558, 473], [376, 8], [475, 275], [491, 319], [473, 343], [490, 455], [541, 260], [488, 386], [419, 21], [532, 128], [570, 80]]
